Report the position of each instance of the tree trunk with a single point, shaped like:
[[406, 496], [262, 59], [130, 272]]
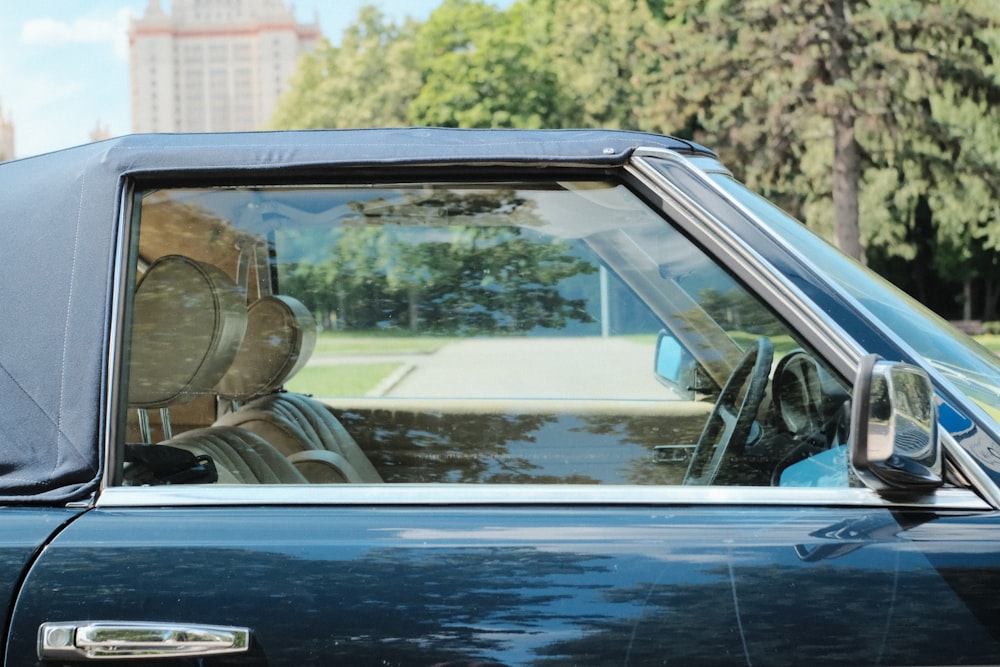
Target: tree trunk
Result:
[[846, 177], [967, 299], [991, 290], [846, 152], [413, 297]]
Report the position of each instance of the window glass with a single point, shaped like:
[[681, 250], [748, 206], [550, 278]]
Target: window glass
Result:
[[556, 332], [973, 369]]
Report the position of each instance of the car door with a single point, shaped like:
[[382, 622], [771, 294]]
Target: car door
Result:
[[503, 584], [541, 493], [25, 531]]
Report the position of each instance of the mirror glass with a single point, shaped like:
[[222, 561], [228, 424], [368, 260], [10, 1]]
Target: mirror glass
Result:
[[673, 365], [897, 444]]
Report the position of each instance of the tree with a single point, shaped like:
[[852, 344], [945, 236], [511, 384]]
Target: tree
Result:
[[539, 63], [965, 200], [367, 81], [780, 88], [591, 46], [480, 68], [448, 262], [876, 121], [937, 174]]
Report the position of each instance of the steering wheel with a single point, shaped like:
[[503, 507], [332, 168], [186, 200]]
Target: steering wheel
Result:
[[729, 423]]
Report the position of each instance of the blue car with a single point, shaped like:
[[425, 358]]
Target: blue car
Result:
[[472, 397]]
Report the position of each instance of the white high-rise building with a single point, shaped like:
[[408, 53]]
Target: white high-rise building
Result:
[[213, 65], [6, 136]]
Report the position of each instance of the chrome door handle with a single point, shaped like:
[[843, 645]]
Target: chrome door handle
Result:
[[104, 640]]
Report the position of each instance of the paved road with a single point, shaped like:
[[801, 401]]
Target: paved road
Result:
[[532, 368]]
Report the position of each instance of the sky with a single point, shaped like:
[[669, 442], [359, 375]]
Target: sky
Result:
[[64, 63]]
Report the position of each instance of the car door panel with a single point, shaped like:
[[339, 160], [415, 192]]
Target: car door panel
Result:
[[393, 586], [23, 532]]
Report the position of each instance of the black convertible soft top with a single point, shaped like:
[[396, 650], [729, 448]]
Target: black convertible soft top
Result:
[[59, 220]]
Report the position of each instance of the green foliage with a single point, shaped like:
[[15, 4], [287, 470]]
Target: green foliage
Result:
[[480, 69], [875, 121], [795, 93], [367, 81], [341, 379], [394, 342], [539, 63], [596, 48], [491, 277]]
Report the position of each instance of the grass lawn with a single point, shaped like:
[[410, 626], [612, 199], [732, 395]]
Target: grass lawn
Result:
[[990, 341], [340, 380], [333, 343]]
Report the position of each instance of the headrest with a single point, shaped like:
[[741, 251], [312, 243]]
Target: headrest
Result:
[[281, 336], [187, 324]]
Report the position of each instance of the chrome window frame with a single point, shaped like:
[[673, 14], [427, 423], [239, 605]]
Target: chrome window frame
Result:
[[835, 344], [114, 411], [698, 168], [499, 495], [710, 233]]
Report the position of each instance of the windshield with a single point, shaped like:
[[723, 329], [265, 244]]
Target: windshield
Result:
[[972, 368]]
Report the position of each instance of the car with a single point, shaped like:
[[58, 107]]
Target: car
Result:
[[450, 397]]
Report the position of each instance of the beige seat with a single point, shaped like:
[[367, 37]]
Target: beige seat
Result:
[[280, 337], [189, 320], [309, 435], [240, 457]]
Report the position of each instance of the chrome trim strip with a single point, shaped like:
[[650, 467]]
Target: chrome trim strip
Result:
[[380, 495], [116, 327], [709, 165], [967, 464]]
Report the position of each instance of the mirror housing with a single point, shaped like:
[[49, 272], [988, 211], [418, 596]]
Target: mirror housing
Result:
[[894, 442]]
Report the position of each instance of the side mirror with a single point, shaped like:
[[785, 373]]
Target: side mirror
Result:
[[673, 366], [894, 439]]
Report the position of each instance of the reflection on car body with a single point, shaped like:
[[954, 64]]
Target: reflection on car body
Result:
[[434, 397]]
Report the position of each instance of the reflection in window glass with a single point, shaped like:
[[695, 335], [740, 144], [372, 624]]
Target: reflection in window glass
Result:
[[973, 369], [477, 333]]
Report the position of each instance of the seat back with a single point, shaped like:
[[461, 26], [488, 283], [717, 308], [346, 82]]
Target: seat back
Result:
[[309, 434], [189, 319], [281, 335], [240, 457]]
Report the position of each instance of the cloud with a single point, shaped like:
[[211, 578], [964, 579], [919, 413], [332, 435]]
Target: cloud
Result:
[[52, 32]]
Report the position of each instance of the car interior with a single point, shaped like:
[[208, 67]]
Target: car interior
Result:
[[513, 332]]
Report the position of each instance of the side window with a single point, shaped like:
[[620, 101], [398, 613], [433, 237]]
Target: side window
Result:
[[486, 333]]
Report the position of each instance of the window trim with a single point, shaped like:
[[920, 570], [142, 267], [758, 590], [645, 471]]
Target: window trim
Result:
[[718, 240], [123, 282], [499, 495], [748, 265], [717, 237]]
